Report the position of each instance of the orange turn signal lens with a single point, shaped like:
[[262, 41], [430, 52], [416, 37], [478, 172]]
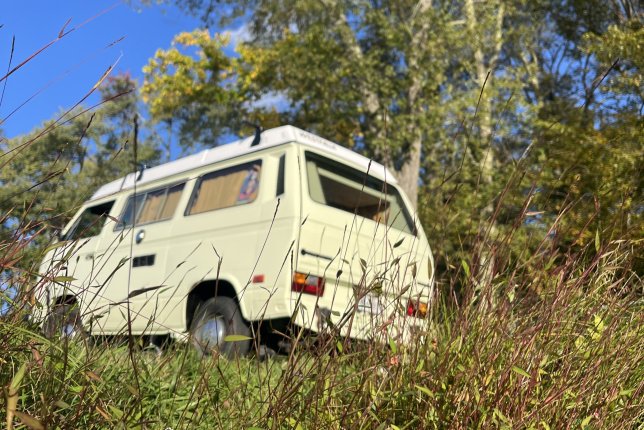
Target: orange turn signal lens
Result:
[[308, 284], [416, 308]]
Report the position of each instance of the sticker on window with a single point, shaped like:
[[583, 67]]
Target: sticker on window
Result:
[[248, 190]]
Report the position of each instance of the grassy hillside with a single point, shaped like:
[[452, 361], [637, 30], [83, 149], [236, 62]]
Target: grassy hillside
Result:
[[559, 349]]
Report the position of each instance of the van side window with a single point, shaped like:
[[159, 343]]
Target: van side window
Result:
[[225, 188], [90, 223], [336, 185], [151, 206]]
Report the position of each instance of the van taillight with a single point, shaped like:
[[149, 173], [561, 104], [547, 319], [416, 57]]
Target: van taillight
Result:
[[308, 284], [416, 308]]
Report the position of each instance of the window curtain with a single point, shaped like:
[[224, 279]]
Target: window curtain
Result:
[[151, 207], [218, 191], [171, 202]]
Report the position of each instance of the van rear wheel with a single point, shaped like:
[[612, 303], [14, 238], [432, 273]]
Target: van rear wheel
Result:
[[215, 319]]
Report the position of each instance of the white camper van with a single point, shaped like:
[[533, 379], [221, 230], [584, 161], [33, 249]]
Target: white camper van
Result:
[[284, 226]]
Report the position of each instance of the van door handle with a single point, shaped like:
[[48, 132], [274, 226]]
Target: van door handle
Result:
[[139, 236]]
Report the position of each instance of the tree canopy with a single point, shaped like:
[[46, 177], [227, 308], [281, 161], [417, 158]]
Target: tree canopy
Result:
[[48, 173], [480, 108]]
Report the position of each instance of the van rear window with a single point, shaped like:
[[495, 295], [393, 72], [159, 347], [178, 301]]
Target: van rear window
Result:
[[151, 206], [225, 188], [90, 223], [336, 185]]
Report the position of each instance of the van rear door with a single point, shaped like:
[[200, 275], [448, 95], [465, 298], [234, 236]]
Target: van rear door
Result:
[[360, 236]]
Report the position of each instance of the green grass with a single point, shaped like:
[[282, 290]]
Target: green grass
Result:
[[560, 348]]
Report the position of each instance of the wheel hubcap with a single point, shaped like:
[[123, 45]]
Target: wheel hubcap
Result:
[[68, 330], [212, 333]]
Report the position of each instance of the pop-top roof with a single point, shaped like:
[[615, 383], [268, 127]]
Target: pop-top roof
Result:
[[269, 138]]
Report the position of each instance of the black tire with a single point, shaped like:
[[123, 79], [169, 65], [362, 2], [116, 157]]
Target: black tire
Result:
[[64, 321], [215, 319]]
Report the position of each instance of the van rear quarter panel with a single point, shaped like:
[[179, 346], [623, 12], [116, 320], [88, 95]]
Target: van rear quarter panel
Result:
[[212, 245], [276, 245]]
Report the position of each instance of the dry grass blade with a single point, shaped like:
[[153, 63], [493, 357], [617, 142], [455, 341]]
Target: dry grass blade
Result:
[[11, 394], [29, 421]]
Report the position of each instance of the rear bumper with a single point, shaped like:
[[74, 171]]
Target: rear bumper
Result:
[[357, 324]]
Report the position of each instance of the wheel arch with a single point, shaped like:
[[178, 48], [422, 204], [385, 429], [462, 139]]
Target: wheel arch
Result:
[[208, 289]]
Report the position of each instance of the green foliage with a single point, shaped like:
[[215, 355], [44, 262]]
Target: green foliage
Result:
[[48, 173], [119, 126], [589, 149], [361, 74], [621, 44], [194, 93]]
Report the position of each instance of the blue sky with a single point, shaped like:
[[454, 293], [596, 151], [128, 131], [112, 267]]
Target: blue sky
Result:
[[106, 32]]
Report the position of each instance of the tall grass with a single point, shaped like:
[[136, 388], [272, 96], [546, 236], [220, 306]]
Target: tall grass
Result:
[[560, 348]]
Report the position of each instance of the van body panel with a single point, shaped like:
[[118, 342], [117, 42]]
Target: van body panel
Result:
[[253, 218]]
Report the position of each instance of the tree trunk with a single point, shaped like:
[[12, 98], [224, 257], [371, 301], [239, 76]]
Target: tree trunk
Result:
[[408, 174], [484, 70]]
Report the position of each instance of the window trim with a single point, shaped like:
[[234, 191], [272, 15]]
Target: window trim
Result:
[[280, 188], [199, 180], [77, 221], [412, 228], [119, 227]]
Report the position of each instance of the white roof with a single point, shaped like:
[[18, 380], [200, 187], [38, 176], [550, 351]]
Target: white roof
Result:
[[269, 138]]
